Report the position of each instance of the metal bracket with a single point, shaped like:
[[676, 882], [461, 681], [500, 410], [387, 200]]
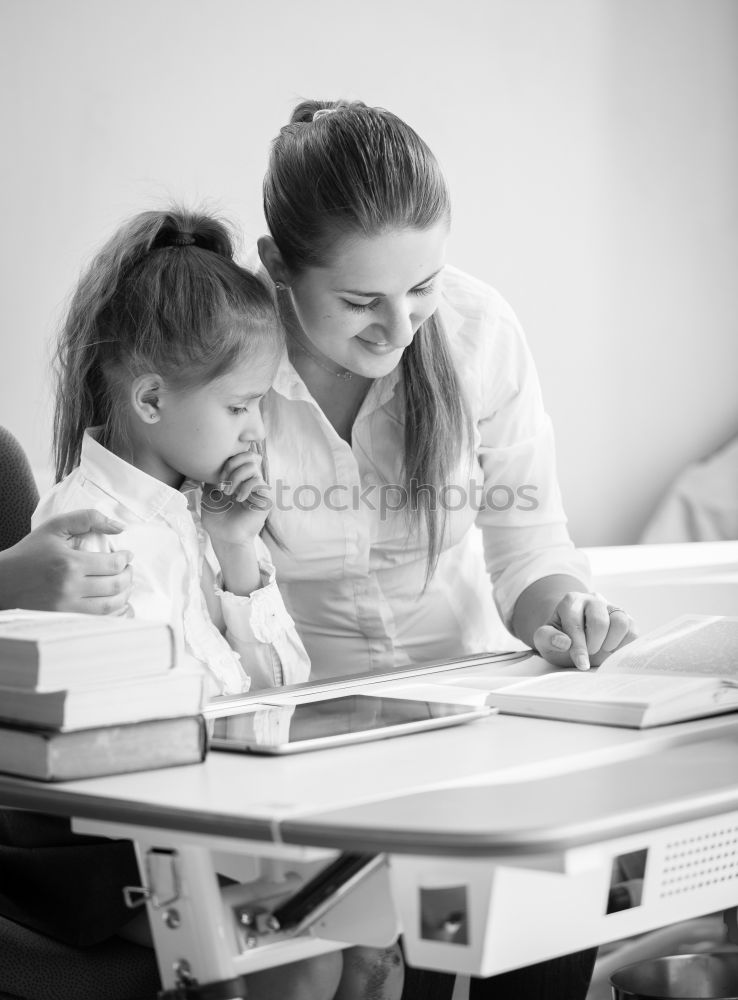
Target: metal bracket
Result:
[[294, 916], [163, 878]]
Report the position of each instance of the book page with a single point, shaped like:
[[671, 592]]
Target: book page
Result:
[[696, 645], [577, 686], [47, 626]]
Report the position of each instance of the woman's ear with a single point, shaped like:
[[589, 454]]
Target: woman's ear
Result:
[[271, 258], [145, 397]]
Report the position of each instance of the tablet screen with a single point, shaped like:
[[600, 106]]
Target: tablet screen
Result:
[[347, 719]]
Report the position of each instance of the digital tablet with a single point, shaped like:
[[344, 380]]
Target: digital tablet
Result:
[[335, 721]]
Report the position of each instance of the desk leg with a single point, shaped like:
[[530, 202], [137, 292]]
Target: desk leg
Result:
[[195, 943], [202, 951]]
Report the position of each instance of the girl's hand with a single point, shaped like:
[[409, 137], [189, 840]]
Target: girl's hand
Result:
[[234, 510], [583, 630]]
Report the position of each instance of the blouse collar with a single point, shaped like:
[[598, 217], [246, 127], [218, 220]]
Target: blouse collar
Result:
[[141, 493], [288, 383]]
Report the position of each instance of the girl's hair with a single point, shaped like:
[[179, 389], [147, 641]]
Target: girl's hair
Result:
[[342, 168], [163, 295]]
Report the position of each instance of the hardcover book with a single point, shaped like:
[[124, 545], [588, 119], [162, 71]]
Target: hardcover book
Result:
[[50, 755], [48, 650], [178, 692]]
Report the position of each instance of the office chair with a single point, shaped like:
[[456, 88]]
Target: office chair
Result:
[[18, 493], [34, 966]]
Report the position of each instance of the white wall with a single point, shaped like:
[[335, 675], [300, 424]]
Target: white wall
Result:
[[591, 147]]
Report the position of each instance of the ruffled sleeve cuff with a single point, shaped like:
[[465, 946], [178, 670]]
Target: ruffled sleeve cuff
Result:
[[260, 629], [260, 617]]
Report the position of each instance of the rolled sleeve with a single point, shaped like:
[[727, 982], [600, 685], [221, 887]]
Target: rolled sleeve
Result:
[[522, 517], [517, 557]]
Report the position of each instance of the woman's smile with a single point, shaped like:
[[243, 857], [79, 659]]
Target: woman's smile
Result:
[[376, 346]]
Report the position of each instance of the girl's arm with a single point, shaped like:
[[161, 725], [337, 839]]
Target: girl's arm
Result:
[[238, 578], [257, 625], [239, 567]]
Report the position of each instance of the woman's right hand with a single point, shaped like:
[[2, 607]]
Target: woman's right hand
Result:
[[45, 571]]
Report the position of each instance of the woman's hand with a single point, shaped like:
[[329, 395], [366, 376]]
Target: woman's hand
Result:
[[234, 511], [583, 630], [45, 571]]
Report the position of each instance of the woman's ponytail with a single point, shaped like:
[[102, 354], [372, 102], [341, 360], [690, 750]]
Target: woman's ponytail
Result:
[[340, 168]]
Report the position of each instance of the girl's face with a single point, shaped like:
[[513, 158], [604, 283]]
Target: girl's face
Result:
[[199, 429], [364, 309]]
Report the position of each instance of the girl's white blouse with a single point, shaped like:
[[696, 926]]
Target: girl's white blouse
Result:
[[241, 642], [352, 567]]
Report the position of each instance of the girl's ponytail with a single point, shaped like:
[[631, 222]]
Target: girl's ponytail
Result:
[[203, 231], [85, 346]]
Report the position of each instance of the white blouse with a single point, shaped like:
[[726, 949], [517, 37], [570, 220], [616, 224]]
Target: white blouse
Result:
[[241, 642], [352, 569]]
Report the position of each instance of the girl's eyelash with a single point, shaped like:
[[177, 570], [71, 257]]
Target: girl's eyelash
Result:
[[357, 307], [238, 409]]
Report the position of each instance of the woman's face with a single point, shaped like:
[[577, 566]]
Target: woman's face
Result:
[[365, 307]]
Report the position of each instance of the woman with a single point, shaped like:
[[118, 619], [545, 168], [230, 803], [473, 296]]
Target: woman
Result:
[[407, 417], [407, 414]]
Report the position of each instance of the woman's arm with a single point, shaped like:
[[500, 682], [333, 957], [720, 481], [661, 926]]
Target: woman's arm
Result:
[[541, 582]]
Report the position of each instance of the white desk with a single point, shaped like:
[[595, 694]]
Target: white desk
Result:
[[516, 821]]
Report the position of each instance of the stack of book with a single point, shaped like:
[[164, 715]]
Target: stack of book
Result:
[[83, 696]]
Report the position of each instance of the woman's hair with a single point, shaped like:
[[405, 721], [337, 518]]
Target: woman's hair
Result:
[[163, 295], [340, 169]]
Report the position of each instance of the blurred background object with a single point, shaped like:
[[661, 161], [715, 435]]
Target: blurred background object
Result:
[[702, 503]]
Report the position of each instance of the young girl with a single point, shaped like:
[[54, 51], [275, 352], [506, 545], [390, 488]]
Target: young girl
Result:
[[165, 356], [166, 353]]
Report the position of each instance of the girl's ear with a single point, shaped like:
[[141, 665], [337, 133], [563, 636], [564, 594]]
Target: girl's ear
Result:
[[271, 258], [145, 396]]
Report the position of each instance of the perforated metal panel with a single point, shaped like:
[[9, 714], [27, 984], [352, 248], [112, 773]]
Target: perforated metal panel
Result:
[[699, 861]]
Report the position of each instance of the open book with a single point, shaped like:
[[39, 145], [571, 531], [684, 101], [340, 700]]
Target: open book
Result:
[[684, 670]]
